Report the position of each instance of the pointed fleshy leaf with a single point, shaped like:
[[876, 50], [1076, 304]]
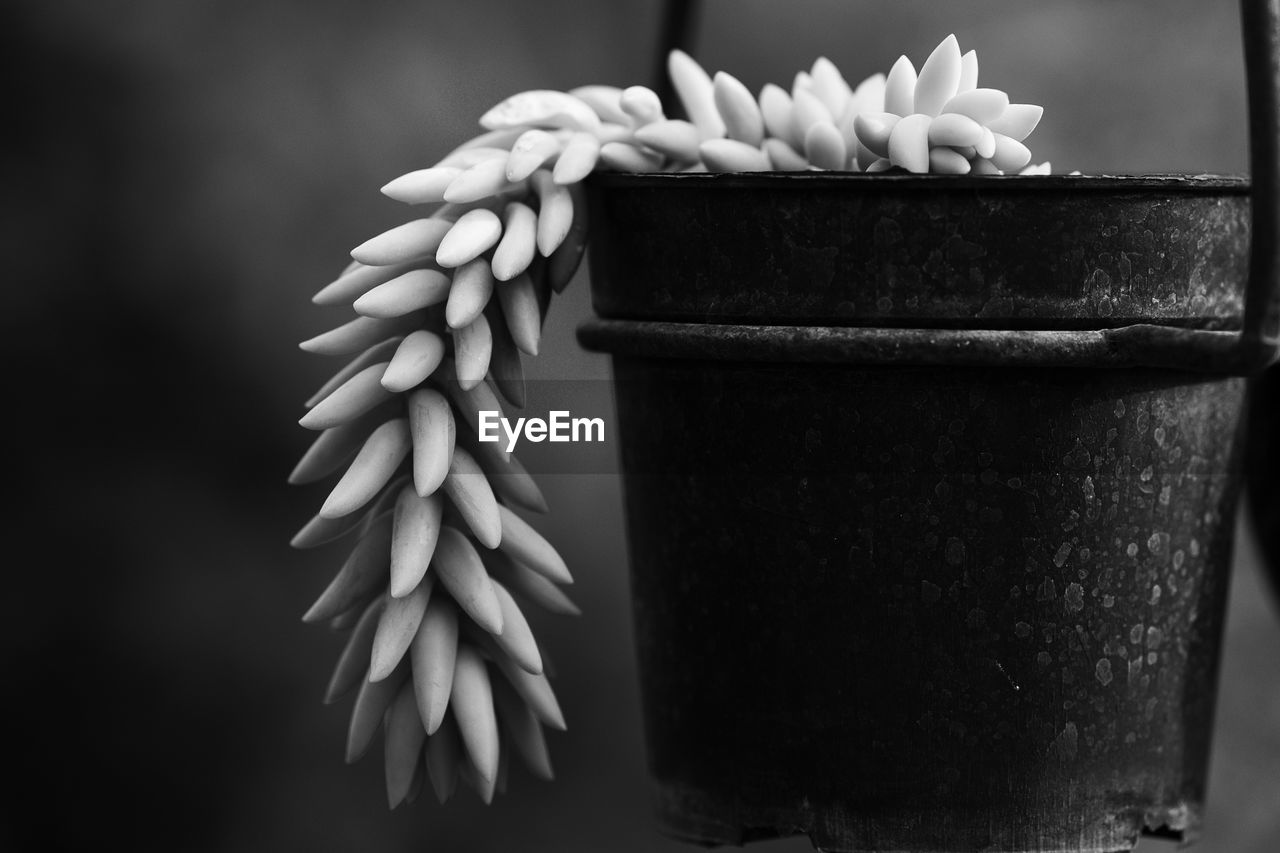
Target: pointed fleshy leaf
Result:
[[415, 529], [348, 619], [469, 490], [729, 155], [784, 158], [516, 638], [402, 746], [947, 161], [806, 110], [622, 156], [500, 783], [385, 502], [900, 89], [416, 358], [319, 531], [909, 143], [472, 287], [696, 93], [981, 105], [824, 147], [519, 242], [675, 138], [642, 104], [954, 130], [1017, 121], [523, 730], [1010, 154], [504, 360], [419, 779], [605, 100], [371, 704], [868, 97], [611, 132], [432, 428], [444, 757], [986, 147], [335, 445], [359, 280], [863, 156], [353, 663], [458, 568], [577, 160], [412, 241], [432, 655], [829, 85], [397, 626], [484, 179], [423, 186], [534, 148], [564, 261], [378, 352], [373, 467], [475, 232], [968, 72], [363, 574], [541, 108], [739, 110], [939, 78], [983, 166], [472, 705], [509, 479], [359, 334], [472, 346], [775, 109], [471, 777], [519, 303], [555, 211], [405, 294], [525, 582], [536, 692], [873, 130], [525, 545]]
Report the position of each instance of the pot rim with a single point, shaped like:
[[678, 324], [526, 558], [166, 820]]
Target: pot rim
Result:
[[1168, 183]]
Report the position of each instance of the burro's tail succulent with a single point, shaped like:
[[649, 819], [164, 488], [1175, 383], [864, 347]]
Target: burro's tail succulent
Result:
[[441, 566]]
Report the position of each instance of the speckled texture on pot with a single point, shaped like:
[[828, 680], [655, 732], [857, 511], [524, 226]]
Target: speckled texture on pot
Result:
[[927, 609], [1057, 252]]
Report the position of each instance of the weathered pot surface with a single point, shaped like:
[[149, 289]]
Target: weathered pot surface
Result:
[[1063, 252], [927, 609], [947, 587]]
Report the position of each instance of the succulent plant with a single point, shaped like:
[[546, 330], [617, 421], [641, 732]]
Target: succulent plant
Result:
[[940, 121], [442, 567]]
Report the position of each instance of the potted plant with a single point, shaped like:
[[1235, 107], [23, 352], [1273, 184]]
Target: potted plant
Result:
[[929, 485]]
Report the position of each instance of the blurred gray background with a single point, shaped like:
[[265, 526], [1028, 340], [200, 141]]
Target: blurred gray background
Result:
[[181, 175]]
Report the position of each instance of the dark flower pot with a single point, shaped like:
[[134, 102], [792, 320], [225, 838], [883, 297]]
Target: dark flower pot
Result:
[[930, 488], [922, 589]]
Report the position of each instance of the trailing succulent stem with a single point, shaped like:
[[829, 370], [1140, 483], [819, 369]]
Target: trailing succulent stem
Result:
[[441, 569]]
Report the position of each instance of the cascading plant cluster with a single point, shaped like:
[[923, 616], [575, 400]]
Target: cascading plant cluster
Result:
[[434, 590]]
